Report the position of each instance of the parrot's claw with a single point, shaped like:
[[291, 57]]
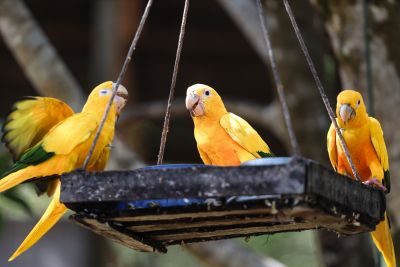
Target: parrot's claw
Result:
[[375, 183]]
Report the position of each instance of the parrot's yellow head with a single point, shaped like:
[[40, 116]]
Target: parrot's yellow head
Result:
[[350, 109], [204, 101], [100, 96]]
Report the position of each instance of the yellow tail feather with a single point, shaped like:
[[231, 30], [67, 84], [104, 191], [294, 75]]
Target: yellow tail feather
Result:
[[383, 241], [53, 213], [14, 179]]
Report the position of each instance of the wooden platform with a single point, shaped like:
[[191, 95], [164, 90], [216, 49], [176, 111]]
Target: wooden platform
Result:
[[149, 209]]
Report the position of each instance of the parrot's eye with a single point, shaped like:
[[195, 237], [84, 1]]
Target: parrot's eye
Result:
[[358, 102], [104, 92], [207, 92]]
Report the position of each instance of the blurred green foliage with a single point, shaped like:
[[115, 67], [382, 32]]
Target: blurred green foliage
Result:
[[12, 197], [297, 249], [300, 249]]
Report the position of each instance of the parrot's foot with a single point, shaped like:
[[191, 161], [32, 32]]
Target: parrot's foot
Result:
[[375, 183]]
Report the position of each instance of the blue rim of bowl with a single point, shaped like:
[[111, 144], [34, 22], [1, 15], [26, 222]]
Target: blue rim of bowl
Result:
[[174, 166]]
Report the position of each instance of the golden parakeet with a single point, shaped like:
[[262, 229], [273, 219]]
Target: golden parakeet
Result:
[[222, 138], [58, 144], [364, 138]]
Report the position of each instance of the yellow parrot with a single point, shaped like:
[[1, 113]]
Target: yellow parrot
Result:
[[57, 143], [222, 138], [364, 138]]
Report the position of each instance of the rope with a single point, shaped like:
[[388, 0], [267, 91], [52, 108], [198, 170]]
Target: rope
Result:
[[173, 83], [119, 80], [367, 56], [278, 81], [321, 89]]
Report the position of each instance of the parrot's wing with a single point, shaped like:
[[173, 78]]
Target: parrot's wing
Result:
[[30, 119], [243, 134], [61, 140], [380, 148], [331, 146], [32, 156], [70, 133]]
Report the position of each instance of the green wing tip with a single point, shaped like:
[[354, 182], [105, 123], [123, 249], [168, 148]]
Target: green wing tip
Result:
[[16, 167], [265, 154], [33, 156], [36, 155]]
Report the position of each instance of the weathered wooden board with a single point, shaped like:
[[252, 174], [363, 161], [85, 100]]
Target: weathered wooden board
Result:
[[187, 182], [292, 195]]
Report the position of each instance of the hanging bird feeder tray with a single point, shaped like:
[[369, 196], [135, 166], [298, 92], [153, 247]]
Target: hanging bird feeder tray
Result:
[[151, 208]]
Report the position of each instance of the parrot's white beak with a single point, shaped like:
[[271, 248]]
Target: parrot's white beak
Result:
[[346, 112], [194, 104], [121, 97]]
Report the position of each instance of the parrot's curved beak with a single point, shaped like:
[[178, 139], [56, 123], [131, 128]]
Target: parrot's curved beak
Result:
[[346, 112], [121, 97], [194, 104]]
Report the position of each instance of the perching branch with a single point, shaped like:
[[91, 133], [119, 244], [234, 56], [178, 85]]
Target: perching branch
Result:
[[36, 55]]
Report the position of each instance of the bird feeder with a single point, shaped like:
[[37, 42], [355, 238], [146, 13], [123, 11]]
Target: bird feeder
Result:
[[151, 208]]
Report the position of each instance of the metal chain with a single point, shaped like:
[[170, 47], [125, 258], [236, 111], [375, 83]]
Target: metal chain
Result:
[[173, 83], [118, 82], [320, 89], [278, 81]]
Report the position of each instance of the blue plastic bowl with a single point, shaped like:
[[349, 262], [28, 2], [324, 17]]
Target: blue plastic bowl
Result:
[[267, 161], [173, 166]]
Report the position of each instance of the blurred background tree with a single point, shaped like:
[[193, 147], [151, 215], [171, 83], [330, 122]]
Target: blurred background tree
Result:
[[70, 46]]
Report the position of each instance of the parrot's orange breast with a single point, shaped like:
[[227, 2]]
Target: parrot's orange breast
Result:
[[218, 145], [362, 152]]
